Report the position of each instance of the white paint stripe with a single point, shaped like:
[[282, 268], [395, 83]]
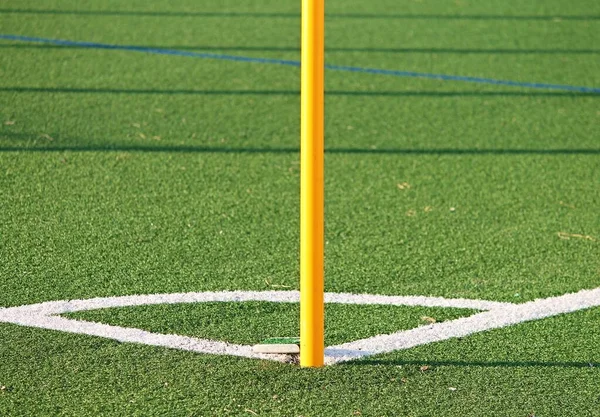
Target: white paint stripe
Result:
[[43, 315], [132, 335], [493, 319], [414, 300], [68, 306]]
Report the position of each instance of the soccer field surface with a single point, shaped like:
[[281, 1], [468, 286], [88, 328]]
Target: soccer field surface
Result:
[[149, 208]]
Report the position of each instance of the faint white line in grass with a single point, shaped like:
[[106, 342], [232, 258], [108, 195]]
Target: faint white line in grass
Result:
[[45, 315]]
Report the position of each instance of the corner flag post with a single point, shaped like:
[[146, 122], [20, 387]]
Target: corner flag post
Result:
[[312, 308]]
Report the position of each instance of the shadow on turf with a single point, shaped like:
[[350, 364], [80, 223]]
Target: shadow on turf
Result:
[[490, 364], [387, 16], [328, 49], [221, 150], [62, 90]]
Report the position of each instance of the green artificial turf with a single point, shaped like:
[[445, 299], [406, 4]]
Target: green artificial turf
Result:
[[545, 368], [129, 173], [253, 321]]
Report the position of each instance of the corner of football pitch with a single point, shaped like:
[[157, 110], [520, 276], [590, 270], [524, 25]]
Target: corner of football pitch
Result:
[[150, 177]]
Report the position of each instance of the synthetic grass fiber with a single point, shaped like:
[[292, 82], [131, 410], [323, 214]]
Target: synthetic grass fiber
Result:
[[123, 173]]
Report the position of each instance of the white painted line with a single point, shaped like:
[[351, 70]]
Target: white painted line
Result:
[[493, 319], [68, 306], [413, 300], [44, 315], [132, 335]]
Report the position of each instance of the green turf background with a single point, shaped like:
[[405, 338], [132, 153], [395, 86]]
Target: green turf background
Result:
[[127, 173]]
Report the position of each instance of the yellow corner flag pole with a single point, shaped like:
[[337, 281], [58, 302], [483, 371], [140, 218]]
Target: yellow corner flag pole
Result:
[[312, 326]]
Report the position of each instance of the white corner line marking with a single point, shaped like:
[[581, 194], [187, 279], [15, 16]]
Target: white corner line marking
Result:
[[488, 320], [497, 314]]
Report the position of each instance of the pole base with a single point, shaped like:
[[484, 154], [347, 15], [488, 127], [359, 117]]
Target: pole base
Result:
[[279, 345]]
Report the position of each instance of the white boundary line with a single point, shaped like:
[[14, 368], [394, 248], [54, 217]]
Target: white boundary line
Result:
[[68, 306], [496, 315], [488, 320]]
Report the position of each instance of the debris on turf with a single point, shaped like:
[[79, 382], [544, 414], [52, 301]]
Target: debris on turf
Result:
[[567, 236]]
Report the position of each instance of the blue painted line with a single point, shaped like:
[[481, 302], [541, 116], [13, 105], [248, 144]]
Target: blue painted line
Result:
[[442, 77], [396, 73], [148, 50]]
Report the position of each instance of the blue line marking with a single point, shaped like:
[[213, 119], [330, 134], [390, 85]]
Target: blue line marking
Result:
[[396, 73], [463, 78], [149, 50]]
